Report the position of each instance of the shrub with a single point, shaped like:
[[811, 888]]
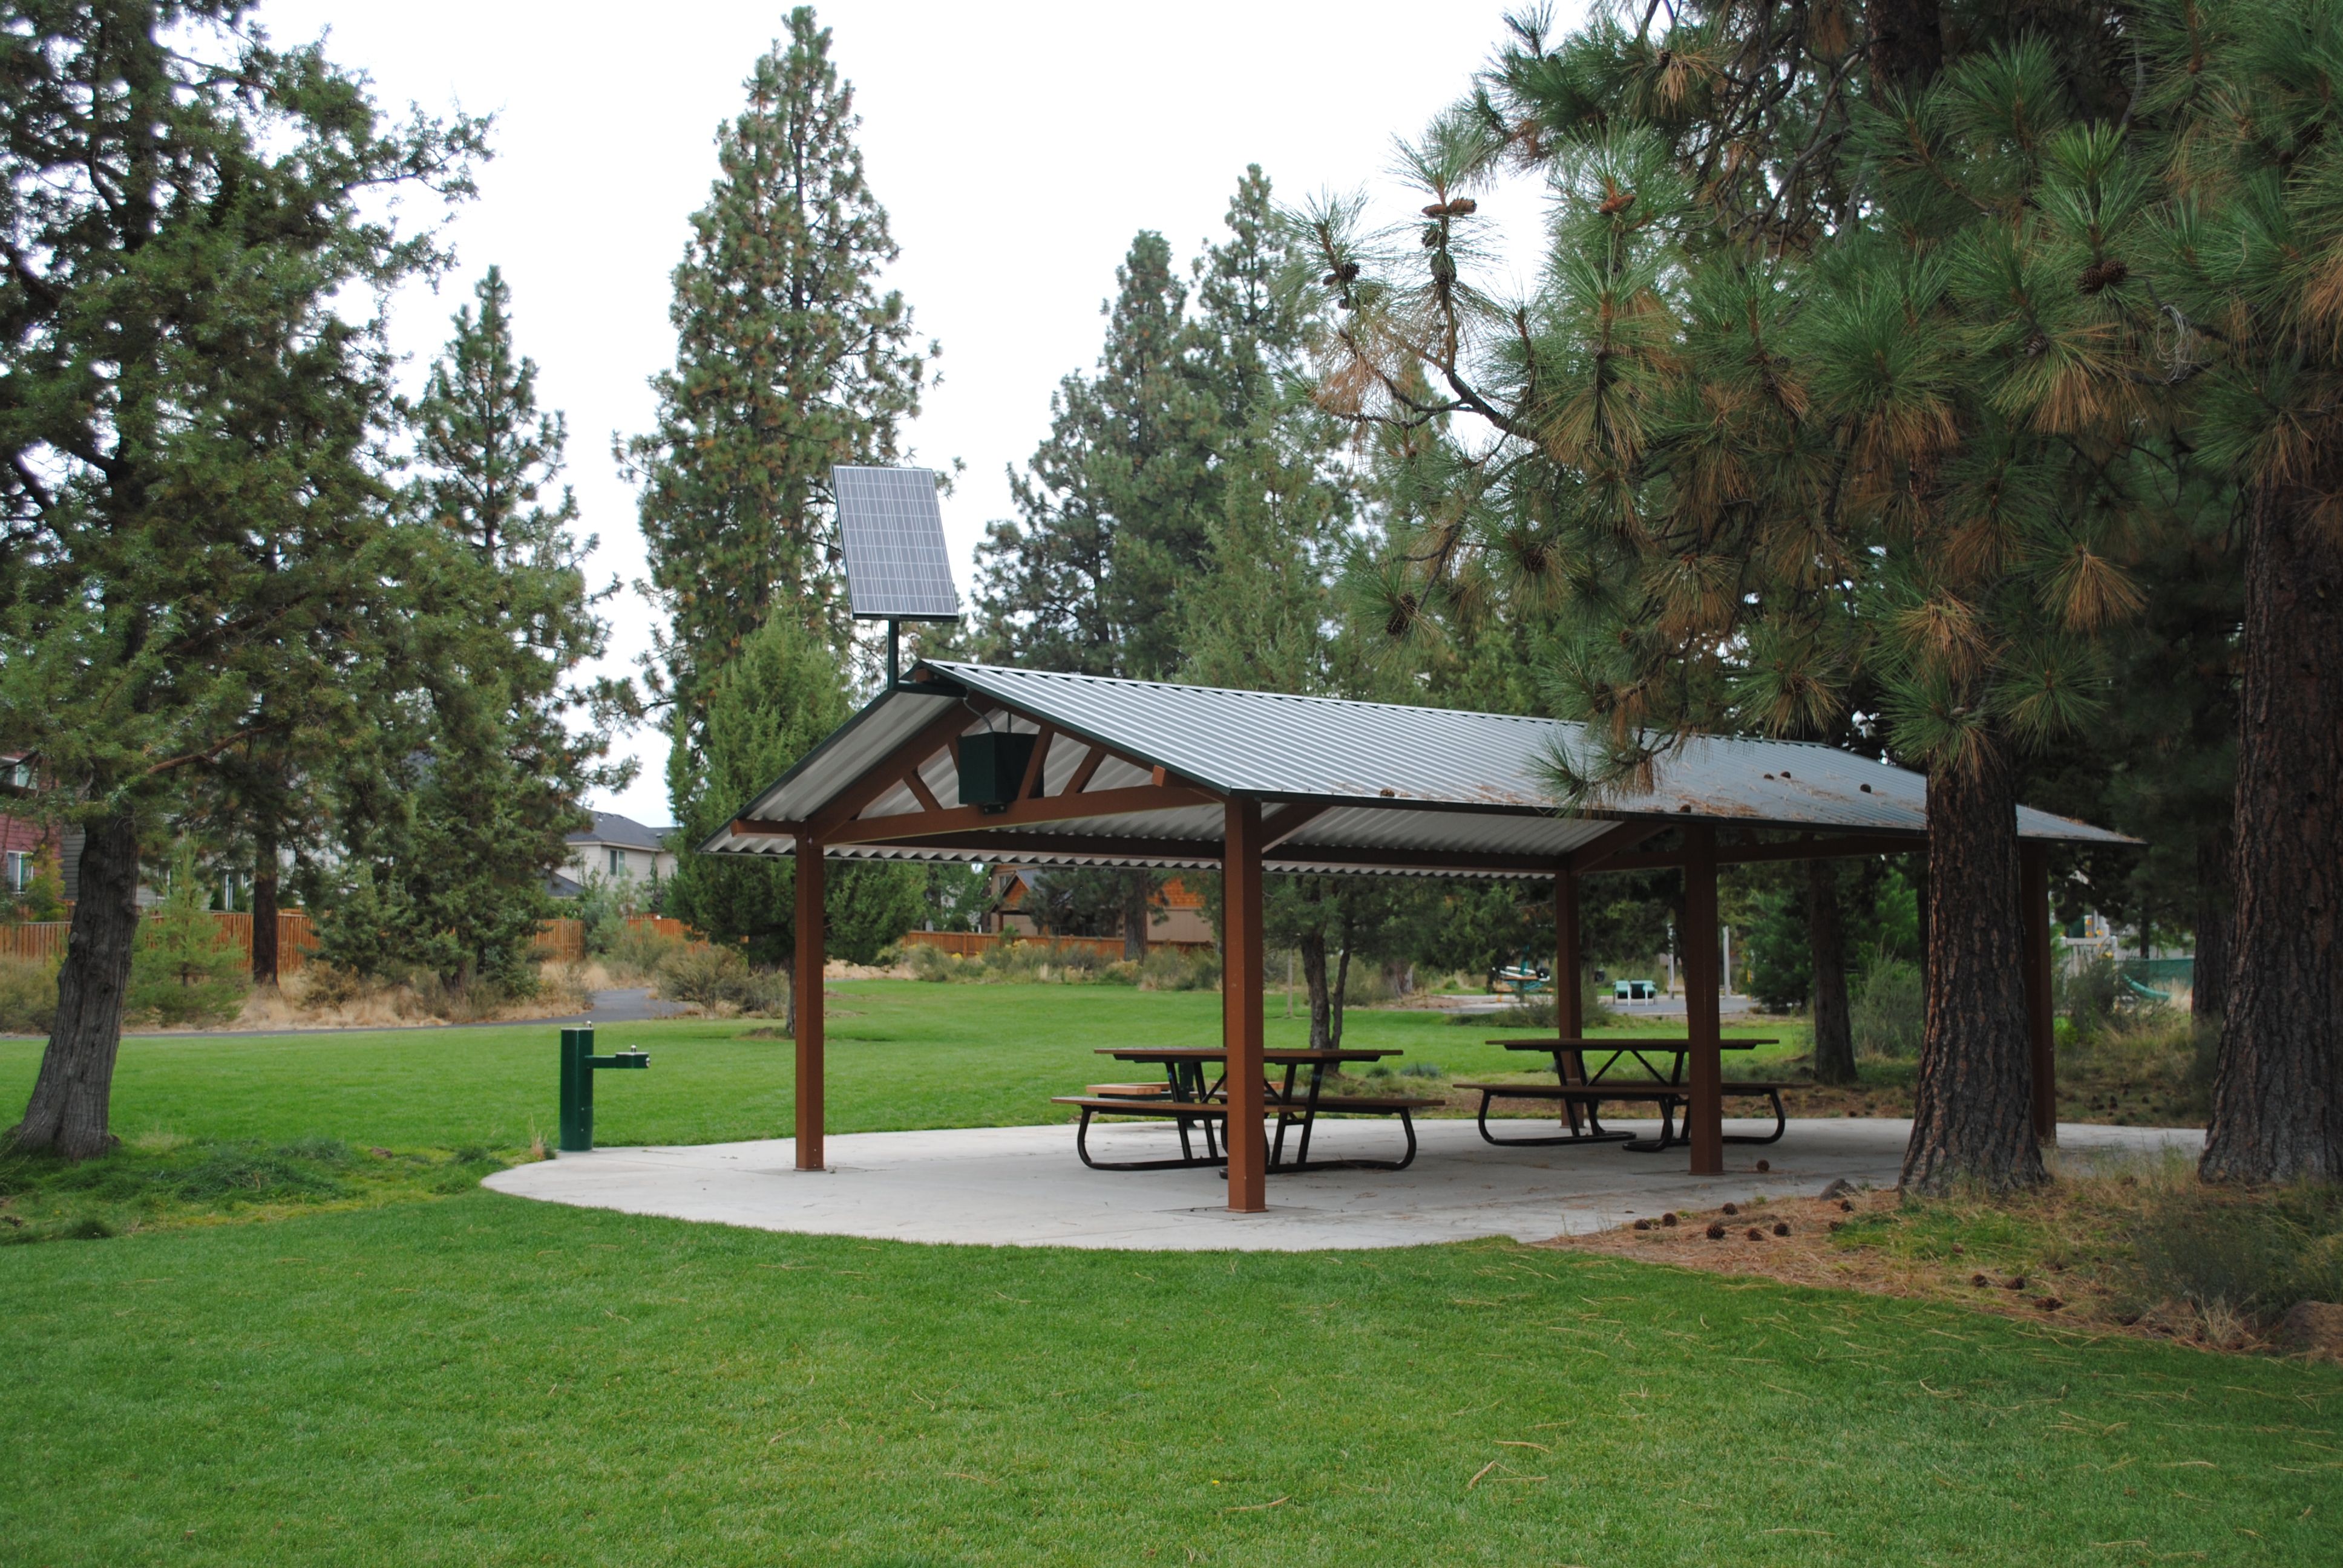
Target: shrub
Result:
[[720, 978], [2088, 994], [2256, 1253], [933, 963], [1180, 969], [1888, 1013], [28, 995], [634, 954]]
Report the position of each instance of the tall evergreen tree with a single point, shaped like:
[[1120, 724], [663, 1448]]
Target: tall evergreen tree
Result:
[[1254, 610], [1809, 393], [778, 698], [2249, 316], [476, 775], [790, 359], [192, 520], [1115, 502]]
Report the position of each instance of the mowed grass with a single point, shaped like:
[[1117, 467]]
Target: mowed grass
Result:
[[483, 1380], [900, 1054], [478, 1379]]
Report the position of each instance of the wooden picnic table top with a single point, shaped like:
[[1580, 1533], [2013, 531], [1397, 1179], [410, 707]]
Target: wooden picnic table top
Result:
[[1633, 1042], [1282, 1056]]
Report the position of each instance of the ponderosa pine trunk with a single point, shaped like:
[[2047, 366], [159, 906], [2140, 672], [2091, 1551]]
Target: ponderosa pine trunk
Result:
[[1833, 1025], [2209, 978], [2277, 1094], [263, 904], [1341, 993], [1312, 948], [1973, 1116], [789, 1007], [1136, 912], [68, 1112]]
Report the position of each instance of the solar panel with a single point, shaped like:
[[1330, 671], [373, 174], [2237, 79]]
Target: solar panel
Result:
[[897, 568]]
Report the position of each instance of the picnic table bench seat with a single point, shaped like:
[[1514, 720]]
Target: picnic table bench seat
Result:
[[1298, 1109], [1671, 1099]]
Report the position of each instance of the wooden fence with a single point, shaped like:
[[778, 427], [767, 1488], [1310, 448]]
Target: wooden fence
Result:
[[296, 937], [976, 944]]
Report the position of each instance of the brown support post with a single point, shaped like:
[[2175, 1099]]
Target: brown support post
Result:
[[1240, 1028], [1704, 1113], [1569, 1006], [806, 981], [2033, 891]]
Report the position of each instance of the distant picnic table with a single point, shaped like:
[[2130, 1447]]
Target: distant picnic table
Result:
[[1192, 1097], [1581, 1093]]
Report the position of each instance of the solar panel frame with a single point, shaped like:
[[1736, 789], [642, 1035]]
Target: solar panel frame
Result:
[[891, 527]]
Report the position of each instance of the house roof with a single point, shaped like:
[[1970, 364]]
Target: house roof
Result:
[[1399, 783], [622, 833]]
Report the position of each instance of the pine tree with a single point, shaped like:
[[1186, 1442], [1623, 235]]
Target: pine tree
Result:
[[1255, 609], [1799, 405], [194, 522], [1115, 502], [789, 360], [780, 696], [476, 776], [2248, 316]]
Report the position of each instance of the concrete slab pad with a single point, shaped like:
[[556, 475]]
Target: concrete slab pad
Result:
[[1021, 1186]]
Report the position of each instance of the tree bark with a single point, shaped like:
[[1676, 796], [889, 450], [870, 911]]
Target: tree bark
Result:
[[2209, 982], [1919, 870], [1341, 989], [1312, 948], [68, 1112], [789, 1009], [2277, 1092], [1834, 1027], [263, 903], [1136, 887], [1973, 1120]]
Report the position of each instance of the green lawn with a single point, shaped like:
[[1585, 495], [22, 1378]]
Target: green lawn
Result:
[[483, 1380], [477, 1379], [900, 1054]]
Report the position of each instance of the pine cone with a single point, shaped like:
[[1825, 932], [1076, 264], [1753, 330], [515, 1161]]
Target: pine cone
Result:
[[1463, 207], [1616, 203], [1716, 1233], [2102, 275], [1348, 272], [2037, 346]]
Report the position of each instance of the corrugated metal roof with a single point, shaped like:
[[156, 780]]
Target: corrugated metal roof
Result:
[[1414, 779]]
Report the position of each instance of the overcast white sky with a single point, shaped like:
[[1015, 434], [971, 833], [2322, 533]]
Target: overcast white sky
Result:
[[1015, 147]]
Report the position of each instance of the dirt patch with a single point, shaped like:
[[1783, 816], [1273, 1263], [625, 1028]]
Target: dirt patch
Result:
[[2059, 1259]]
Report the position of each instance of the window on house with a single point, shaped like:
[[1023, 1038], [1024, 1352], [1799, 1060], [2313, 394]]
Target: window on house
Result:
[[18, 870], [617, 862]]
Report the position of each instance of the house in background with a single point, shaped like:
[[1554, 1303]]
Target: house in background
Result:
[[614, 848], [28, 845]]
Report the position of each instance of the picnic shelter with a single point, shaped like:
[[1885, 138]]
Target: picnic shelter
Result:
[[971, 762]]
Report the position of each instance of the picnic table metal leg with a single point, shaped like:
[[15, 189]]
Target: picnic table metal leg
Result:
[[1310, 1112]]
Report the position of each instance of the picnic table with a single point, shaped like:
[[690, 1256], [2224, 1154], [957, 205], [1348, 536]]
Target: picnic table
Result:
[[1581, 1093], [1194, 1097]]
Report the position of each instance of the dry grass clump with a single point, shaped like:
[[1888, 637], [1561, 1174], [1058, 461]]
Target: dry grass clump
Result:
[[319, 996], [2131, 1245]]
